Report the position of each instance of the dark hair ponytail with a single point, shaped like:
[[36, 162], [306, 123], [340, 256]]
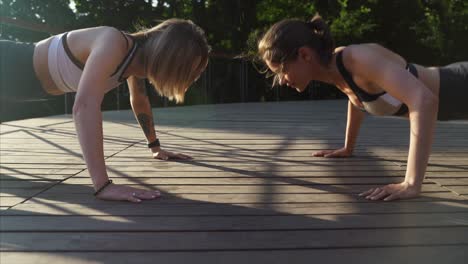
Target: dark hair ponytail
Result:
[[326, 44], [286, 36]]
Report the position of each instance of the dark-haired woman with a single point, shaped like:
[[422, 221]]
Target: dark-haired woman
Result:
[[376, 80]]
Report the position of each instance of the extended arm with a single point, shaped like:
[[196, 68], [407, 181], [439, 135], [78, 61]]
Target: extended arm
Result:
[[355, 117], [141, 107], [354, 121], [88, 118], [422, 105]]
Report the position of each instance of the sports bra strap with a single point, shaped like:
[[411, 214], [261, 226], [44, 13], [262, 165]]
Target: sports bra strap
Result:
[[362, 95]]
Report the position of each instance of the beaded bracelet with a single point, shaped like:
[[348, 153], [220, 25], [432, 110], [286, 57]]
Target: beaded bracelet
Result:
[[103, 187]]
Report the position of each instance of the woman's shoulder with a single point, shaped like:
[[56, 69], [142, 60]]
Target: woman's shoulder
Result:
[[365, 58], [356, 53], [106, 36], [350, 52], [376, 53], [100, 42], [359, 49], [95, 32]]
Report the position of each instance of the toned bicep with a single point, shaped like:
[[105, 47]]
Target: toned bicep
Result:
[[101, 63], [389, 75]]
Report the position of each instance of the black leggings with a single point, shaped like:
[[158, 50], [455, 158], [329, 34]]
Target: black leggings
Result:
[[453, 94], [18, 81]]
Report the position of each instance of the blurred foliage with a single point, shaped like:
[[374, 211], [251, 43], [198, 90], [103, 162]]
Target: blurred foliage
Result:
[[428, 32]]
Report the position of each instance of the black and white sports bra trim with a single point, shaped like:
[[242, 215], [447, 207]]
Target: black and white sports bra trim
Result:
[[377, 104]]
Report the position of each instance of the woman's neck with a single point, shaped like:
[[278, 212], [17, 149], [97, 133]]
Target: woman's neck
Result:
[[330, 74], [327, 74], [136, 67]]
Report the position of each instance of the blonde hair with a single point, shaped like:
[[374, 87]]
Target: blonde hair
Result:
[[170, 50]]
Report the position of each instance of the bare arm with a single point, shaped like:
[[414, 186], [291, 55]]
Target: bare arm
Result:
[[422, 105], [101, 61], [354, 121], [87, 114], [88, 123], [422, 125], [355, 117], [141, 107]]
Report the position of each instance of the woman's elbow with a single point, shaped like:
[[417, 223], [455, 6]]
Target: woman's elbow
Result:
[[77, 108], [430, 100], [81, 106], [426, 102]]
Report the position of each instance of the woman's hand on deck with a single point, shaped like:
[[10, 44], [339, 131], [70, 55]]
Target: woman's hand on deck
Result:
[[116, 192], [336, 153], [392, 192], [161, 154]]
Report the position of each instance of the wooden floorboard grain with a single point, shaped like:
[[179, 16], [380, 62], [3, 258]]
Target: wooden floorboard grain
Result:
[[252, 194]]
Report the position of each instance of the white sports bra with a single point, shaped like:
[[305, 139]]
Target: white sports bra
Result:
[[66, 70]]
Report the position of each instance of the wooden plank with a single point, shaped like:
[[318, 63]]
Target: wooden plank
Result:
[[154, 181], [37, 184], [221, 171], [15, 192], [388, 255], [232, 164], [47, 146], [38, 171], [252, 195], [232, 139], [461, 189], [57, 159], [294, 157], [237, 198], [218, 240], [43, 165], [250, 159], [33, 177], [247, 189], [196, 166], [212, 209], [224, 172], [227, 223], [365, 153], [11, 201], [451, 181]]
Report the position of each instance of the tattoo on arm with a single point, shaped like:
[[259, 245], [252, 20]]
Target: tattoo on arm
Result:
[[142, 89], [146, 123]]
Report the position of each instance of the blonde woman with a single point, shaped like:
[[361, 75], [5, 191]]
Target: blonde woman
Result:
[[93, 61], [376, 80]]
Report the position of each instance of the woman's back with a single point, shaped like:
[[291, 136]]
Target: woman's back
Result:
[[76, 47]]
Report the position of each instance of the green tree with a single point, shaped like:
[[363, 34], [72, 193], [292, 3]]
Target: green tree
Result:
[[55, 16]]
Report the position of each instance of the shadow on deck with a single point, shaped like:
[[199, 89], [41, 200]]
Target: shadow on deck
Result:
[[253, 193]]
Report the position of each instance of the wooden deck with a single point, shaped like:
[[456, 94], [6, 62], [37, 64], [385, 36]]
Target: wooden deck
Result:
[[253, 194]]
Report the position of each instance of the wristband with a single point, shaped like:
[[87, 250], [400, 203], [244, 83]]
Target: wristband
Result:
[[154, 144]]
